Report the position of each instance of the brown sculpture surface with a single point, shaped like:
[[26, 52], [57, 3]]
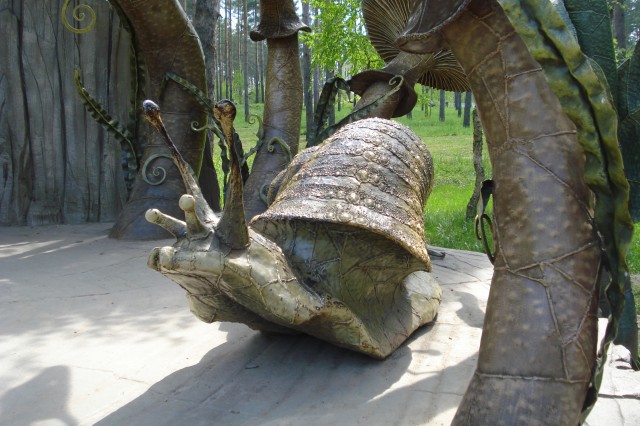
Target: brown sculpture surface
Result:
[[538, 350], [385, 19], [340, 254], [279, 25], [169, 44]]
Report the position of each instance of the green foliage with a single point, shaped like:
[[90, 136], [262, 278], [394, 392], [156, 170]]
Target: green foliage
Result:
[[340, 38], [592, 24], [629, 126]]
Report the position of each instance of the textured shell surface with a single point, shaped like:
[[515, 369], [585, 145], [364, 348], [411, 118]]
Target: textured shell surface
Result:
[[369, 182]]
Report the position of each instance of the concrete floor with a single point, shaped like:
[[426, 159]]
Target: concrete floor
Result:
[[90, 335]]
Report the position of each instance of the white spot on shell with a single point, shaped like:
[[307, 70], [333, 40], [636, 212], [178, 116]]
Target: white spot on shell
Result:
[[362, 175], [345, 216]]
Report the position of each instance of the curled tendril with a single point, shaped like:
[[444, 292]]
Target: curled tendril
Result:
[[208, 126], [264, 193], [252, 120], [159, 173], [79, 15], [283, 145], [396, 81]]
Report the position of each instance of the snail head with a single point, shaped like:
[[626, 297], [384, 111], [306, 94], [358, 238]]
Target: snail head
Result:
[[200, 221]]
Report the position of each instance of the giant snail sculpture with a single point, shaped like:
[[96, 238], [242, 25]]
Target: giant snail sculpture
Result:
[[339, 252]]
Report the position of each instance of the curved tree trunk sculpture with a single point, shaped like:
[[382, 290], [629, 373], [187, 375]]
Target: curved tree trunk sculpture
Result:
[[542, 308], [538, 350], [168, 43]]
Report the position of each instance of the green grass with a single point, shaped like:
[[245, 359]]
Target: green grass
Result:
[[450, 145]]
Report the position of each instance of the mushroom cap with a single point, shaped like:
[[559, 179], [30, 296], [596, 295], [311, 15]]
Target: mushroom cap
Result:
[[386, 20], [278, 19], [422, 32]]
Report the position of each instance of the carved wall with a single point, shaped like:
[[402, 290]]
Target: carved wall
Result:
[[57, 165]]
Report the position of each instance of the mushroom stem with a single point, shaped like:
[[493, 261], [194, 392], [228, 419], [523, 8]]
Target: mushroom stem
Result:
[[540, 330], [408, 65], [279, 24]]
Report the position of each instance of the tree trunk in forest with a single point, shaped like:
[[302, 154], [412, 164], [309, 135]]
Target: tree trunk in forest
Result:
[[468, 100], [218, 64], [306, 73], [168, 42], [228, 43], [256, 77], [442, 104], [317, 84], [477, 165], [245, 38], [617, 22], [205, 22], [57, 165], [261, 44]]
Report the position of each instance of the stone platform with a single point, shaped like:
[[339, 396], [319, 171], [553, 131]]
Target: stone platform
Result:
[[90, 335]]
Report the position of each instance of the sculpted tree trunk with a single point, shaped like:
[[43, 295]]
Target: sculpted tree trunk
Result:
[[169, 44]]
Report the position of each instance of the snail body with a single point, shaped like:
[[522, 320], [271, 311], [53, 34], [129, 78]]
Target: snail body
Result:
[[339, 254]]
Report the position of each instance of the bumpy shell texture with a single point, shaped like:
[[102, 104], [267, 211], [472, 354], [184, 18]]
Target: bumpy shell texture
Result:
[[375, 176]]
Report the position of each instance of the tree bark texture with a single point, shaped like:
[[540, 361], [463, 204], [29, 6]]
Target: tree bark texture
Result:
[[306, 73], [57, 165]]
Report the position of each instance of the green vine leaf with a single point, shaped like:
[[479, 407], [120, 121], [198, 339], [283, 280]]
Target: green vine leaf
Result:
[[113, 126]]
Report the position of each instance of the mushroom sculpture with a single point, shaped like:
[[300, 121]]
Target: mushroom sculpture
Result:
[[551, 140], [279, 25], [385, 20]]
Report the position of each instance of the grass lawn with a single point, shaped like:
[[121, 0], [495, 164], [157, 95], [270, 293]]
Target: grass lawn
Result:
[[450, 145]]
